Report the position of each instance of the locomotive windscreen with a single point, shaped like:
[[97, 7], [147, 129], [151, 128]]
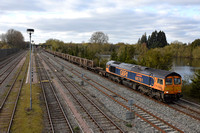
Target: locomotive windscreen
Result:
[[112, 69]]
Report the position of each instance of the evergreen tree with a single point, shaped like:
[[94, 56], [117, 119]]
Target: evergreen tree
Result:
[[162, 42], [144, 38], [157, 39], [139, 41], [149, 41]]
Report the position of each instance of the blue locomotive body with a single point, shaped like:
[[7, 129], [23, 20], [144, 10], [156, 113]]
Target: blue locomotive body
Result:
[[131, 75]]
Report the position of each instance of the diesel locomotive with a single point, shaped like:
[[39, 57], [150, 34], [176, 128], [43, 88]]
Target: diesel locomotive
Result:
[[162, 84]]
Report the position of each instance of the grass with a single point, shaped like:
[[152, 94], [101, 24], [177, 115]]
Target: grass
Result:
[[129, 125], [8, 85], [76, 129], [26, 120]]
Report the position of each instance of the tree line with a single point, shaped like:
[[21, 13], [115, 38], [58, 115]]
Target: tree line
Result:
[[153, 52]]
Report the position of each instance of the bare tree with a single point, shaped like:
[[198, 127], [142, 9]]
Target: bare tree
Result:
[[15, 38], [3, 37], [99, 37], [3, 41]]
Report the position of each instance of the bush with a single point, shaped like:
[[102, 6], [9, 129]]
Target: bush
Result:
[[156, 58], [195, 90], [196, 53]]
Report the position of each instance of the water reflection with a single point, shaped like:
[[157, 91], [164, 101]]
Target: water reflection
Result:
[[186, 67]]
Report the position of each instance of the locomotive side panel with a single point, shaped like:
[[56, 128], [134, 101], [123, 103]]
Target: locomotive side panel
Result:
[[133, 76]]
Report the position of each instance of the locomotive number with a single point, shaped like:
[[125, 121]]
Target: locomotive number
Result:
[[123, 73], [139, 79]]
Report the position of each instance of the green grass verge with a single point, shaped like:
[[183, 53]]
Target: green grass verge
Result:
[[26, 120]]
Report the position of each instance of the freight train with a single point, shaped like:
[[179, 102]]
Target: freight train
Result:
[[161, 84]]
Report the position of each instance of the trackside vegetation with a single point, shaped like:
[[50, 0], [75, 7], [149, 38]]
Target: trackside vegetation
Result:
[[192, 90]]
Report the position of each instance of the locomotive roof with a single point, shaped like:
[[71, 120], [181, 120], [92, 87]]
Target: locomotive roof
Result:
[[143, 70]]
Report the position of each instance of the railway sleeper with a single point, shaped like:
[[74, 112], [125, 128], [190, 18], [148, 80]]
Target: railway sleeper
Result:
[[154, 121], [110, 128], [164, 127], [159, 124], [105, 122]]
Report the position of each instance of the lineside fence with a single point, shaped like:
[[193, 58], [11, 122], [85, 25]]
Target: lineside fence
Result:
[[6, 52]]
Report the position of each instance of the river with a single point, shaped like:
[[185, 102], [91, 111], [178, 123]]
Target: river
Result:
[[185, 67]]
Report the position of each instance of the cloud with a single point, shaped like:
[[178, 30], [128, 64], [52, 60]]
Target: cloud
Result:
[[122, 26], [20, 5], [123, 21]]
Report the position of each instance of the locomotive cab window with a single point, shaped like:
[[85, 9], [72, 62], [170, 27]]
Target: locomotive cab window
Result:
[[160, 81], [112, 69], [177, 81], [168, 81]]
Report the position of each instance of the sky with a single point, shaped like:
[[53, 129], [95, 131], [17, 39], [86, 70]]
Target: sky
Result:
[[122, 20]]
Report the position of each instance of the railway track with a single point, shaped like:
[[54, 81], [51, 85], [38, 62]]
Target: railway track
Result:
[[8, 70], [194, 113], [57, 118], [9, 104], [102, 122], [145, 115]]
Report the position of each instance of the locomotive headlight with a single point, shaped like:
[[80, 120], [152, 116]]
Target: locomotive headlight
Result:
[[166, 91]]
